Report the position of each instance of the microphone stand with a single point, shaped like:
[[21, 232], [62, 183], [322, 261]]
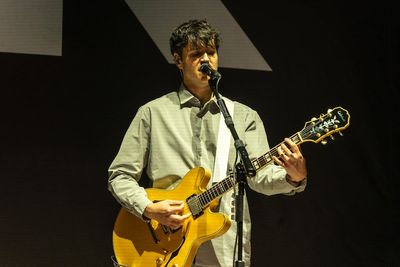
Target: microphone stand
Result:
[[243, 169]]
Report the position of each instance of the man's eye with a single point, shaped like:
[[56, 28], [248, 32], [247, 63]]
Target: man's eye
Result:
[[196, 54]]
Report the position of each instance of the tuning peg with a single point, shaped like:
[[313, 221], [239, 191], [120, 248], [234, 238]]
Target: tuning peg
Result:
[[330, 112], [313, 120], [324, 142], [340, 133], [332, 137]]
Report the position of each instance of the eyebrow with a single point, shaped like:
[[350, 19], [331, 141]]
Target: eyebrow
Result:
[[206, 49]]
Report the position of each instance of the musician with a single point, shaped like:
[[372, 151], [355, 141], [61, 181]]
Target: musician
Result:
[[178, 131]]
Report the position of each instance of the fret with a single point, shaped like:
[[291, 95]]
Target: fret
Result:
[[262, 161], [216, 190], [268, 157], [221, 188], [203, 199], [255, 164], [206, 198], [231, 182], [212, 192], [274, 152], [210, 196], [200, 200], [296, 138], [225, 186], [228, 184]]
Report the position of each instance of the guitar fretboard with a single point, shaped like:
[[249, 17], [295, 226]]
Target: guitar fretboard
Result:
[[216, 190], [266, 159], [229, 182]]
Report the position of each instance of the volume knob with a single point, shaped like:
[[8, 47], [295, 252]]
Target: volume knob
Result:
[[159, 261]]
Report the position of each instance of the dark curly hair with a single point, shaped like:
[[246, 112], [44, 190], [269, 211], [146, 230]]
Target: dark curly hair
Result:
[[198, 33]]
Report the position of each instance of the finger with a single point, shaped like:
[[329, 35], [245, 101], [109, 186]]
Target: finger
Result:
[[186, 215], [178, 219], [280, 151], [286, 150], [293, 146], [278, 161], [174, 224], [176, 209], [175, 202], [289, 142], [282, 156]]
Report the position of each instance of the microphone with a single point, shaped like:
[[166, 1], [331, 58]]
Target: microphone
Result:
[[206, 69]]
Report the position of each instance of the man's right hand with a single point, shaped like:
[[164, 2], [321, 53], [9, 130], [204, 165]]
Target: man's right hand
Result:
[[167, 212]]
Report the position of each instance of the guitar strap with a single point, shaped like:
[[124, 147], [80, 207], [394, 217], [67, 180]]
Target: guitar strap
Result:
[[223, 144]]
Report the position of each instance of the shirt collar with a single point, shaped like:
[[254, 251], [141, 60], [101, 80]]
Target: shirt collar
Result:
[[187, 98]]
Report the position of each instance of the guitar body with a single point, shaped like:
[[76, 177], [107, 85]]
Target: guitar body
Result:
[[141, 244]]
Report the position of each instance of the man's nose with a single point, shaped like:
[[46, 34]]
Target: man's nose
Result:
[[204, 58]]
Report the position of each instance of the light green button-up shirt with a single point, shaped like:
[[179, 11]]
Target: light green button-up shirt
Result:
[[175, 133]]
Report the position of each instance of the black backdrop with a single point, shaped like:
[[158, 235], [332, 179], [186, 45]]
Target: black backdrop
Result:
[[63, 119]]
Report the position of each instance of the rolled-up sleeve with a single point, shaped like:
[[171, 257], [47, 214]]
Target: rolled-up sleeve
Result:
[[127, 167]]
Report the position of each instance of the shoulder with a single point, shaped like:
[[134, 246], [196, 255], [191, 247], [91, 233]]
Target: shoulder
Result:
[[167, 99], [241, 108], [157, 105], [161, 103]]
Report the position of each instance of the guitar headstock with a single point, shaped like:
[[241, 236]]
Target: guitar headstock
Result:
[[317, 129]]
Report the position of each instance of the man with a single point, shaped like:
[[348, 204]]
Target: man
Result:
[[179, 131]]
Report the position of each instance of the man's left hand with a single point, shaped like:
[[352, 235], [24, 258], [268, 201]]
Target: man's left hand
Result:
[[292, 160]]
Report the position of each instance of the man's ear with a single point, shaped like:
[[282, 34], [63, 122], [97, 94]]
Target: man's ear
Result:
[[177, 60]]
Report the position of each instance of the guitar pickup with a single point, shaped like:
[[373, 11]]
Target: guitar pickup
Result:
[[194, 205]]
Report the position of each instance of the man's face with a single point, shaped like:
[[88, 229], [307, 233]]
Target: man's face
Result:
[[192, 58]]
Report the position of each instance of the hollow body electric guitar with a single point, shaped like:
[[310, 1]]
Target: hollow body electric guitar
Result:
[[139, 243]]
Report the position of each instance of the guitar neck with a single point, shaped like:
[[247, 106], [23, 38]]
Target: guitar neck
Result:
[[314, 131], [216, 190], [229, 182]]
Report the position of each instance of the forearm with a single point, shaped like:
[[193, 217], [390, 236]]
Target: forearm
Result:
[[272, 180], [129, 194]]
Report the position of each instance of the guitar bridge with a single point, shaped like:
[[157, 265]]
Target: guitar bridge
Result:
[[194, 205]]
